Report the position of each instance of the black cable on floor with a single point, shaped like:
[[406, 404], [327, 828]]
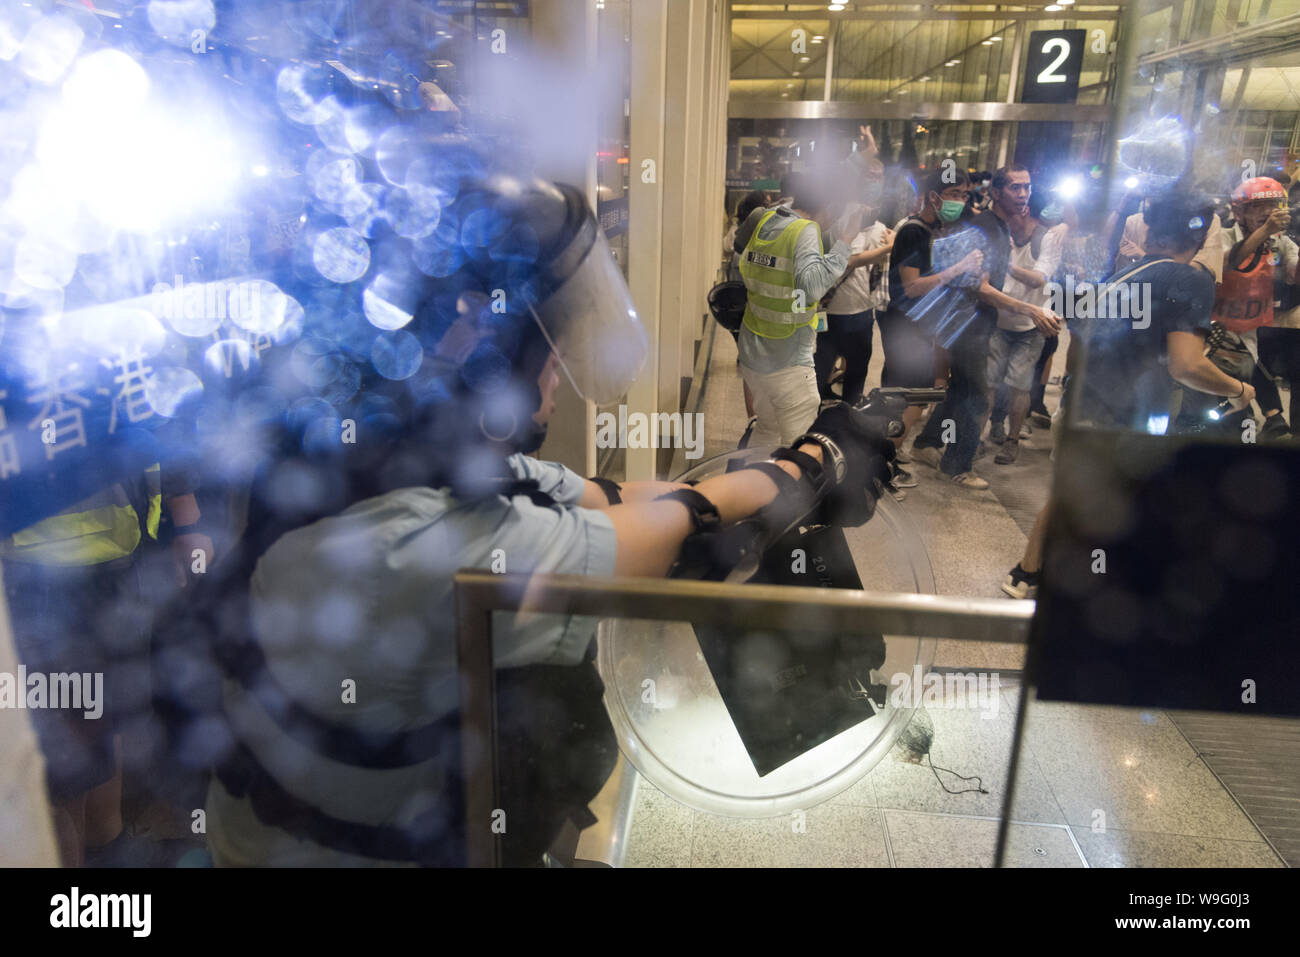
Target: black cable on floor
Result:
[[974, 777]]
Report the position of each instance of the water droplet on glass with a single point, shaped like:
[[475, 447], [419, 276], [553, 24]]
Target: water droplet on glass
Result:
[[257, 306], [169, 387], [43, 264], [176, 20], [397, 356], [341, 254], [49, 48], [412, 212], [300, 90], [389, 302]]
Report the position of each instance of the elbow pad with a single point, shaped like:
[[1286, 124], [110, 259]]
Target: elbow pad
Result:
[[611, 489]]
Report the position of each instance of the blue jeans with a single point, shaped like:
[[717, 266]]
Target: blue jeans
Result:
[[966, 403]]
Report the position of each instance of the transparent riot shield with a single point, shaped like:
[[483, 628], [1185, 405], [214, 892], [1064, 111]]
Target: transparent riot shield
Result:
[[678, 731]]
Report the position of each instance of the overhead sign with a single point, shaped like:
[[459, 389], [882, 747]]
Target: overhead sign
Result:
[[1052, 70]]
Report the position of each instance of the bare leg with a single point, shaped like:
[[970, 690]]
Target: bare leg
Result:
[[911, 415]]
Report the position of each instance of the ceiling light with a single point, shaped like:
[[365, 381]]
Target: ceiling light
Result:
[[996, 39], [1053, 7], [986, 43], [817, 38], [835, 7], [925, 79], [804, 59]]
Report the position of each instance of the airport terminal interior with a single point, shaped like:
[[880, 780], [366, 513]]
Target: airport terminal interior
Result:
[[286, 287]]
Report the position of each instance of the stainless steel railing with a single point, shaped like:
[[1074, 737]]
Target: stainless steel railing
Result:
[[772, 607]]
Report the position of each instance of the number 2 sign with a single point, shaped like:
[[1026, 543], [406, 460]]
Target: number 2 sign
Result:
[[1052, 71]]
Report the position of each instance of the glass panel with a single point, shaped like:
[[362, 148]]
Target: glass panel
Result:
[[1174, 502]]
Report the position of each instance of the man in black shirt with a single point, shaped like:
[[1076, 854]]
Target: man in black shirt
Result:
[[1147, 333], [920, 300], [966, 324], [1150, 325]]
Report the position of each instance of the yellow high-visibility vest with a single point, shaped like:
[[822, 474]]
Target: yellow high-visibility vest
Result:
[[775, 309], [101, 528]]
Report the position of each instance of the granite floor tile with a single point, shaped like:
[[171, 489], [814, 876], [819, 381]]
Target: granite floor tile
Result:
[[1132, 774], [929, 840], [832, 835], [971, 744], [661, 830], [1122, 848]]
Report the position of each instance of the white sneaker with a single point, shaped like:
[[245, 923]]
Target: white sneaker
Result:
[[1020, 584], [902, 457], [971, 481]]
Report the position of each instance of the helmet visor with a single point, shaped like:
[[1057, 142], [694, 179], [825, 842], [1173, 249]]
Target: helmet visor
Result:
[[593, 327]]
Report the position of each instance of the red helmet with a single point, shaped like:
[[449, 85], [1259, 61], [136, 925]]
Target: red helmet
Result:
[[1257, 188]]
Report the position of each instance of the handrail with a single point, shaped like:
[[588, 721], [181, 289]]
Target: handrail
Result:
[[479, 593]]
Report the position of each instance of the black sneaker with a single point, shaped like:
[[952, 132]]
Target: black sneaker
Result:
[[1020, 583], [1041, 417], [1275, 429], [901, 477]]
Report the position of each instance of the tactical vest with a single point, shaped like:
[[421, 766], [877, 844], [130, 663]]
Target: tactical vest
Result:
[[102, 528], [775, 309]]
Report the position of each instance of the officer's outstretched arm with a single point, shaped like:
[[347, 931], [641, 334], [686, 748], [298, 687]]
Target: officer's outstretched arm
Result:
[[602, 493], [832, 475], [650, 534]]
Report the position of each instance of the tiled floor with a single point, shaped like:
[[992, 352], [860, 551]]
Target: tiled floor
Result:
[[1096, 787]]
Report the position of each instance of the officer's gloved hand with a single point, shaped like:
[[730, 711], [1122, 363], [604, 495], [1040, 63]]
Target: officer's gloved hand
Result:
[[867, 457]]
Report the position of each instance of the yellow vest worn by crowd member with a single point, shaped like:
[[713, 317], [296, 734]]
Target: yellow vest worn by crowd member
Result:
[[775, 309], [99, 529]]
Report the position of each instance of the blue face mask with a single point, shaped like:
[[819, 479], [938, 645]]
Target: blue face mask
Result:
[[1052, 212]]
